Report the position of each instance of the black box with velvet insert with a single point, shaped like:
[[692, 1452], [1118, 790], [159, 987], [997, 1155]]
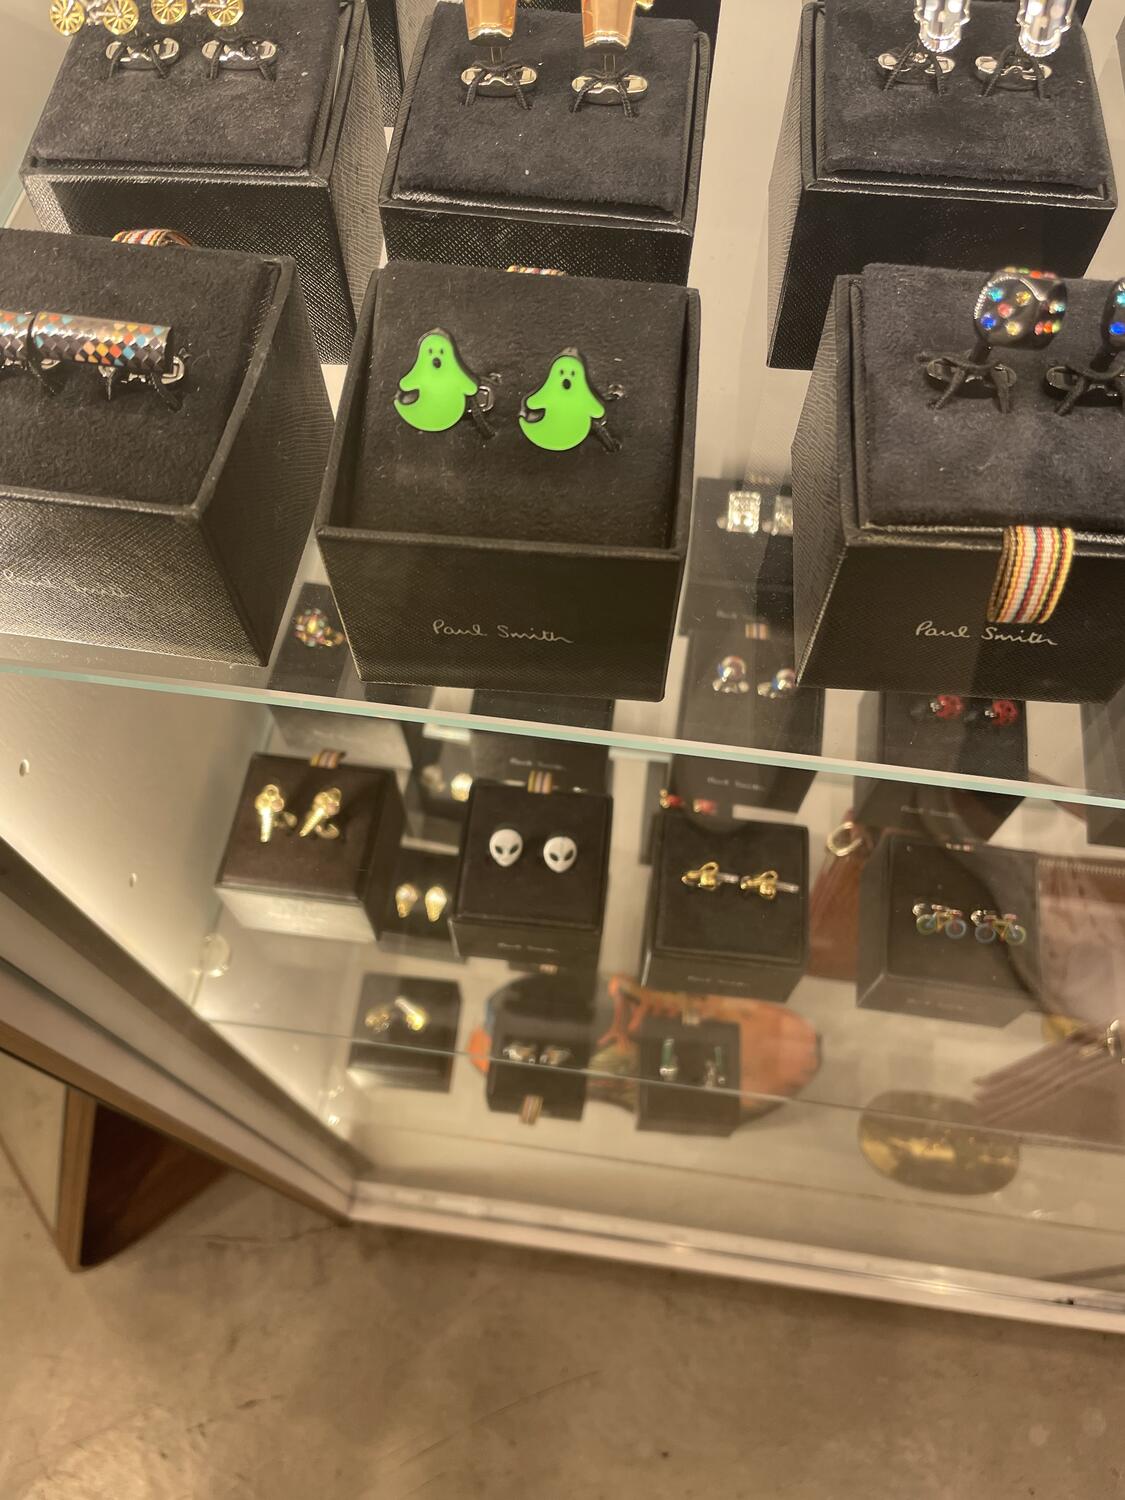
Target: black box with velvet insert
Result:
[[397, 24], [529, 913], [726, 941], [590, 192], [696, 1101], [899, 729], [549, 1019], [235, 163], [740, 566], [788, 725], [493, 563], [934, 975], [416, 920], [899, 510], [314, 887], [864, 173], [387, 1048], [539, 764], [126, 523]]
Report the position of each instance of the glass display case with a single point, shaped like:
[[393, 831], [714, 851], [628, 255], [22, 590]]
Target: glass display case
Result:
[[713, 897]]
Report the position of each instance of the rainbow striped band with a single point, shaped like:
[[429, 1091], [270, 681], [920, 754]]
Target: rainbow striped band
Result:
[[152, 237], [1034, 567]]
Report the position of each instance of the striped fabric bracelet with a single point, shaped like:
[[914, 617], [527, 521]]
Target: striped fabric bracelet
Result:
[[1034, 567]]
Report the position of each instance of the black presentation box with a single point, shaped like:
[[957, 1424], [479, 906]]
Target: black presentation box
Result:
[[540, 765], [397, 24], [793, 725], [542, 1012], [684, 1105], [124, 523], [947, 979], [726, 941], [528, 913], [590, 193], [494, 564], [583, 713], [897, 538], [313, 887], [740, 566], [897, 729], [386, 1047], [416, 920], [866, 174], [1103, 735], [236, 163]]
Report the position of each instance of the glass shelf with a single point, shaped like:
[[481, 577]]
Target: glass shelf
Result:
[[1056, 765]]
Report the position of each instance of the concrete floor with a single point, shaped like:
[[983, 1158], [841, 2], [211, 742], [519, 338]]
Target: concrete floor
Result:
[[248, 1351]]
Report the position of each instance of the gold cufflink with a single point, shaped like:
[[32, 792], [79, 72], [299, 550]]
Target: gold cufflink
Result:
[[415, 1017], [767, 885], [318, 819], [708, 877], [269, 804], [436, 901], [407, 897], [461, 786]]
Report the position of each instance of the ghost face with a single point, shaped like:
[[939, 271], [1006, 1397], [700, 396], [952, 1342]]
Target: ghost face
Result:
[[559, 853], [505, 846]]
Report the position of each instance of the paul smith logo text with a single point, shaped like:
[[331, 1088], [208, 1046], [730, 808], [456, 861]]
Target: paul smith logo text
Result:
[[67, 585], [505, 633], [990, 633]]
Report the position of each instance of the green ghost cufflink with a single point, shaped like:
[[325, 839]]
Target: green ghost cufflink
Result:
[[566, 408], [440, 390]]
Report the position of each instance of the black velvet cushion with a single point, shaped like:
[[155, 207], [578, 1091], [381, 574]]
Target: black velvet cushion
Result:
[[333, 869], [999, 880], [790, 724], [133, 447], [453, 483], [529, 891], [1008, 138], [977, 746], [548, 154], [237, 119], [729, 921], [969, 463]]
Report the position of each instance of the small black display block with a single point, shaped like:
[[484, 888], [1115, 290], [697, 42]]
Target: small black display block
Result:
[[733, 695], [313, 886], [590, 192], [235, 163], [416, 920], [406, 1031], [136, 524], [541, 1047], [529, 910], [689, 1077], [899, 538], [740, 566], [946, 973], [496, 563], [726, 941], [539, 764], [971, 736], [313, 654], [863, 173]]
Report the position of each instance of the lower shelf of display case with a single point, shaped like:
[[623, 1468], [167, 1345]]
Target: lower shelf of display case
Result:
[[790, 1196]]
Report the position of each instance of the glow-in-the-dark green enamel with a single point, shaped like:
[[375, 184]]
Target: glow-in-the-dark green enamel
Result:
[[442, 383], [569, 406]]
